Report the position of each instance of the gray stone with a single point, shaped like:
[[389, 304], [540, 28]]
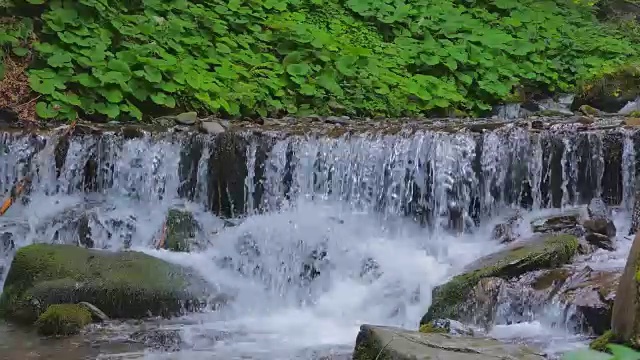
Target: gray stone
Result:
[[556, 224], [600, 241], [389, 343], [211, 127], [598, 209], [187, 118], [97, 315]]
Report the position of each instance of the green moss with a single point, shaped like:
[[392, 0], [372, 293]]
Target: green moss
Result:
[[600, 344], [543, 253], [63, 319], [181, 229], [589, 110], [634, 114], [124, 284], [429, 329]]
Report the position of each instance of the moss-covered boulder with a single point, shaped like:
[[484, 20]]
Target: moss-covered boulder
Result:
[[451, 300], [122, 284], [63, 320], [181, 229]]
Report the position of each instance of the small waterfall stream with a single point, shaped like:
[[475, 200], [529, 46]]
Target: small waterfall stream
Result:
[[391, 216]]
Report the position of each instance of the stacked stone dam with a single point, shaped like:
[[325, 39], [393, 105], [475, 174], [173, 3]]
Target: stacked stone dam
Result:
[[423, 173]]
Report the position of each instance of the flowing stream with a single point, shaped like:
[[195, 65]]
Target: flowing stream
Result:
[[382, 219]]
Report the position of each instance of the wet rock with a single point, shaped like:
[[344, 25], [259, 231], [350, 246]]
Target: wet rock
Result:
[[382, 342], [181, 230], [598, 209], [541, 252], [166, 340], [96, 314], [592, 293], [6, 243], [600, 241], [631, 121], [447, 326], [508, 231], [84, 231], [537, 124], [600, 226], [211, 127], [340, 120], [187, 118], [625, 320], [557, 224], [125, 284], [63, 320], [131, 132]]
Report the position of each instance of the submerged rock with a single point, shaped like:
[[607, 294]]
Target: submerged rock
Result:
[[63, 320], [382, 342], [122, 284], [543, 252]]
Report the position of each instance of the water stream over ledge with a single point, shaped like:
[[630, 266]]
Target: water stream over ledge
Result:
[[379, 206]]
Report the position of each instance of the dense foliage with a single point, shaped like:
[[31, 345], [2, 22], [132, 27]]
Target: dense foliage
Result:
[[117, 58]]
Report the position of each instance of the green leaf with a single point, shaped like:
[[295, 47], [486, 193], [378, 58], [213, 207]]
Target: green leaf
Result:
[[45, 110], [307, 89], [119, 65], [163, 99], [113, 95], [111, 110], [298, 69], [152, 74], [19, 51], [59, 59], [87, 80]]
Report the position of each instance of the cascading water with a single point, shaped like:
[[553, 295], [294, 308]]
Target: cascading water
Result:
[[334, 232]]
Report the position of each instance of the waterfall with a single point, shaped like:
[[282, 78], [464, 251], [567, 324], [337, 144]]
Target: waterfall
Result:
[[335, 231]]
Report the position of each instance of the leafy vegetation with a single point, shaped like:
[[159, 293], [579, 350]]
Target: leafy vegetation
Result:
[[618, 352], [120, 59]]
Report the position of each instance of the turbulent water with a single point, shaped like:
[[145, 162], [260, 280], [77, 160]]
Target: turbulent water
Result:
[[382, 219]]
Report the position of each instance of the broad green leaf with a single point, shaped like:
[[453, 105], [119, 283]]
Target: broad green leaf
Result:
[[59, 59], [45, 110], [298, 69]]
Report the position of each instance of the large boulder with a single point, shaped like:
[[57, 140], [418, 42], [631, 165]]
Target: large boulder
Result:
[[122, 284], [625, 320], [541, 252], [387, 343]]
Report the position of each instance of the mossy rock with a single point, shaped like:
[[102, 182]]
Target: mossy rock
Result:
[[543, 252], [122, 284], [63, 320], [600, 344], [181, 229]]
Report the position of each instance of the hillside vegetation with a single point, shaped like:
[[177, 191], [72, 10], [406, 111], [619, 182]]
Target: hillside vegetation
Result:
[[117, 59]]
